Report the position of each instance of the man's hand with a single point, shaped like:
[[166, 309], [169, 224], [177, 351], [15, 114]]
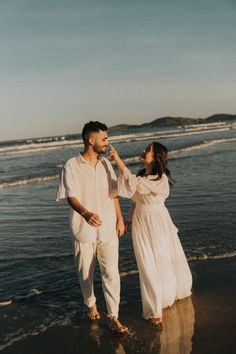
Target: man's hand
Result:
[[127, 224], [92, 219], [120, 227]]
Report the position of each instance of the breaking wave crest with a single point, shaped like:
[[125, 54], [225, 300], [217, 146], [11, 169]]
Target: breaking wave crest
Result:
[[8, 301], [25, 181], [45, 144], [35, 147], [202, 145], [202, 257], [36, 291], [128, 161], [205, 144]]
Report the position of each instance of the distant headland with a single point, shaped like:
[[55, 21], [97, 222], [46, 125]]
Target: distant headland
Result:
[[173, 121]]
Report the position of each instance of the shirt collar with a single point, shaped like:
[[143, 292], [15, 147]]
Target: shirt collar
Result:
[[80, 158]]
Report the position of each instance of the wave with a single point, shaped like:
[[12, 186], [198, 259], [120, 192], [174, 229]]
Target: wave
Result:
[[53, 320], [58, 319], [207, 143], [201, 257], [128, 161], [36, 258], [31, 293], [36, 291], [205, 125], [25, 181], [204, 257], [8, 143], [45, 139], [8, 301], [5, 302], [35, 147], [151, 136], [46, 145]]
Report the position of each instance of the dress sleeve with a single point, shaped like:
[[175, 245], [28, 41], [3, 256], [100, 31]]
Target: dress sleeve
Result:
[[66, 185], [112, 179], [129, 184]]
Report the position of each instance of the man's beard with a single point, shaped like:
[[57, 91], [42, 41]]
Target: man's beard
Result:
[[100, 150]]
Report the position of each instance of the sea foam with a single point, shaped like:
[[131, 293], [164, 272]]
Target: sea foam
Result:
[[128, 161]]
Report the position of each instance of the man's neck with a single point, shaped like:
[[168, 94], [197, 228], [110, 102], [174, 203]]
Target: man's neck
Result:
[[90, 156]]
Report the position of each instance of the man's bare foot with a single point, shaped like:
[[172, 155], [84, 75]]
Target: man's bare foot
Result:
[[93, 313], [115, 325], [156, 321]]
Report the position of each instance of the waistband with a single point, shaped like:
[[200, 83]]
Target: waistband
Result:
[[149, 206]]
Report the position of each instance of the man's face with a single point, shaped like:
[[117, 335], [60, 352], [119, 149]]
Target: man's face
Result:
[[99, 141]]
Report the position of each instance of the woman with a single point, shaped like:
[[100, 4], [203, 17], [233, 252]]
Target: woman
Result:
[[163, 269]]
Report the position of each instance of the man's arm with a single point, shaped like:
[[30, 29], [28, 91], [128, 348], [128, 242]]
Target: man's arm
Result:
[[120, 227], [91, 218]]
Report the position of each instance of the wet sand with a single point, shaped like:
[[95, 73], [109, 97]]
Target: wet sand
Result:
[[203, 323]]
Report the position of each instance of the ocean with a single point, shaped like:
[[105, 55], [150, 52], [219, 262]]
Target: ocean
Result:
[[36, 260]]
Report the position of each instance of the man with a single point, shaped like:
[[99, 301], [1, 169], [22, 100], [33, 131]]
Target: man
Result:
[[89, 184]]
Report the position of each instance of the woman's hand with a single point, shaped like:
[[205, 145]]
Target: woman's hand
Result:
[[113, 154]]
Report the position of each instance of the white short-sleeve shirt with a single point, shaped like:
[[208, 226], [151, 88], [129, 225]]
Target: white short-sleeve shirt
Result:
[[95, 188]]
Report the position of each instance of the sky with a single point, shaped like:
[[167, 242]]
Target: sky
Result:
[[63, 63]]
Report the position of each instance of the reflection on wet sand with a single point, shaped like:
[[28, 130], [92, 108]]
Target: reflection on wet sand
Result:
[[177, 332], [174, 338]]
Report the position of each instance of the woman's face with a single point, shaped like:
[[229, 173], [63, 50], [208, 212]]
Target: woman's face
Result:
[[147, 157]]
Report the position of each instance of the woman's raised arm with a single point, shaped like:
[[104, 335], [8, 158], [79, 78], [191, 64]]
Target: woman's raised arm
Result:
[[113, 154]]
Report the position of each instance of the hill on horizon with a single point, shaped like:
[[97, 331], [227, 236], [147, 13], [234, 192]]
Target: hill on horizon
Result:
[[173, 121]]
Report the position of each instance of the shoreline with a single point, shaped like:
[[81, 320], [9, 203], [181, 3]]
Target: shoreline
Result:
[[202, 323]]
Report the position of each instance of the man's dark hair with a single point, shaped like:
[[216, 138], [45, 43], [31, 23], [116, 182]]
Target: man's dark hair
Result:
[[92, 127]]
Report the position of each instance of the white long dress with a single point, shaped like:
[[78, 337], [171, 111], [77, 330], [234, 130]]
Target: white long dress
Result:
[[163, 269]]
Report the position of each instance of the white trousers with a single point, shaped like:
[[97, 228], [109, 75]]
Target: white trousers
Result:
[[107, 255]]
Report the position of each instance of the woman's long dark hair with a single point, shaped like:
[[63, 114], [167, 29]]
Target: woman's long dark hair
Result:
[[159, 167]]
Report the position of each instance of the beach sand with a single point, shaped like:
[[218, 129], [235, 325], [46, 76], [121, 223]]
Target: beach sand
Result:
[[203, 323]]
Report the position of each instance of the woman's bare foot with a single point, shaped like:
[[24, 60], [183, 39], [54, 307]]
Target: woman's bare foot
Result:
[[156, 321], [93, 313], [115, 325]]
